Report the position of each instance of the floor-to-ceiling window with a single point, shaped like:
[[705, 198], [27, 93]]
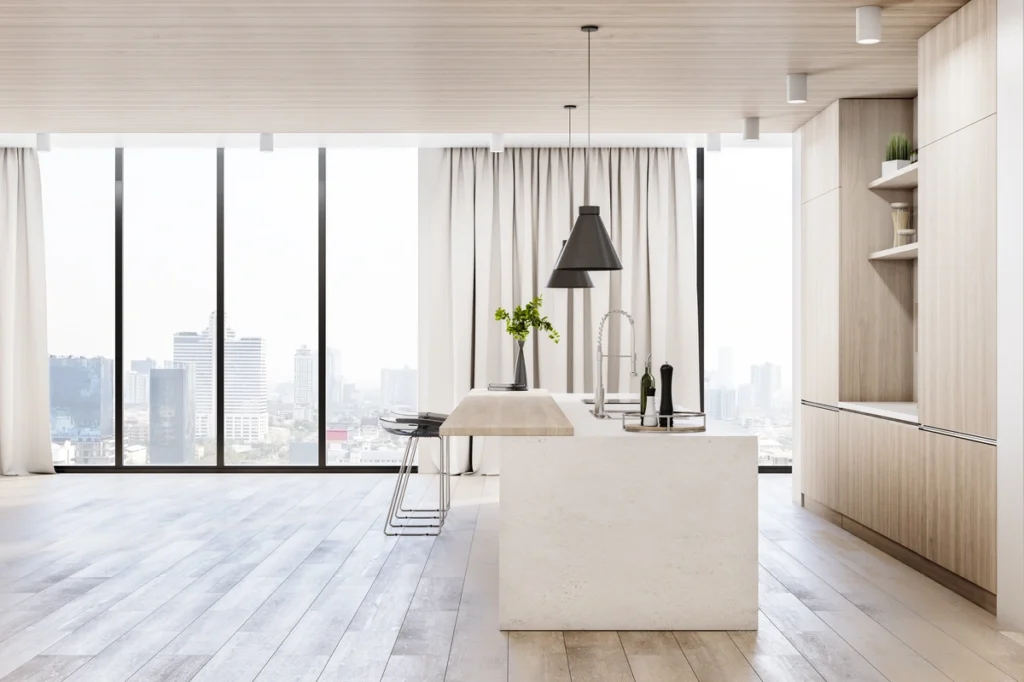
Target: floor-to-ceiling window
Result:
[[251, 233], [78, 210], [372, 219], [748, 294], [271, 210], [169, 294]]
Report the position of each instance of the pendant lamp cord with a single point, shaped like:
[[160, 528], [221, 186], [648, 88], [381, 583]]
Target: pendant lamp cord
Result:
[[586, 156], [570, 168]]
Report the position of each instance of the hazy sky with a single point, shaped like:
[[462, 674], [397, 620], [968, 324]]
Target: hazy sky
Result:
[[271, 247], [270, 252], [748, 258]]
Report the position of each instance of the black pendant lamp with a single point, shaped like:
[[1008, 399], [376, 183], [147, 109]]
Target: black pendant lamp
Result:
[[589, 247], [569, 279]]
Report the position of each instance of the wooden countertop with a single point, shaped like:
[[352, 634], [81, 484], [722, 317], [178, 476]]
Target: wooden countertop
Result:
[[507, 413]]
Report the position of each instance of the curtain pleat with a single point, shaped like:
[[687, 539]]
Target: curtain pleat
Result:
[[490, 232], [24, 362]]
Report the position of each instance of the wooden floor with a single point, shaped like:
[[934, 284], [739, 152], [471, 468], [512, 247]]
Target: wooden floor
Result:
[[287, 578]]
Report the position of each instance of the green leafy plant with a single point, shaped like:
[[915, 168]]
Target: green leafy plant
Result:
[[898, 148], [524, 318]]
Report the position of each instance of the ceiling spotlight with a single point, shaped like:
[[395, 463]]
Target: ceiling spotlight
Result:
[[751, 128], [713, 142], [869, 25], [266, 142], [796, 88], [497, 143], [42, 142]]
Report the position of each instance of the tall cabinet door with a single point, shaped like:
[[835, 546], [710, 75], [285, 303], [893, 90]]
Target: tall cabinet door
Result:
[[957, 281], [819, 452], [819, 285]]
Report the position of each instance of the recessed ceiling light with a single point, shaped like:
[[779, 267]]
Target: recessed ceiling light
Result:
[[869, 25], [497, 143], [796, 88], [266, 142], [751, 128]]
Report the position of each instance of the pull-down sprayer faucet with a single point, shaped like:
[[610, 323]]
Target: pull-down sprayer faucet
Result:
[[599, 360]]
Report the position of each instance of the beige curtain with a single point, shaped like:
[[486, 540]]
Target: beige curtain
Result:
[[491, 226], [24, 363]]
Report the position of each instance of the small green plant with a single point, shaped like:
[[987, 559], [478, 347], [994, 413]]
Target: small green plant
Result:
[[898, 148], [524, 318]]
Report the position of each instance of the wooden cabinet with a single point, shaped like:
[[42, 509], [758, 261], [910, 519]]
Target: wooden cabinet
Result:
[[957, 72], [819, 450], [820, 295], [961, 507], [931, 493], [957, 287], [819, 154], [882, 477]]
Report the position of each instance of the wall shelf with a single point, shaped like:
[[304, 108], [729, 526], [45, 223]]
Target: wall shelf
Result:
[[907, 252], [904, 178]]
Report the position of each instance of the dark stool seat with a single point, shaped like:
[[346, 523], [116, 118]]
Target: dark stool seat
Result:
[[416, 521]]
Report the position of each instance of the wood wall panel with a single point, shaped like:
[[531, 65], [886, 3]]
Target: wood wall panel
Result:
[[882, 482], [819, 244], [819, 451], [819, 154], [957, 286], [957, 71], [876, 303], [457, 66], [961, 507]]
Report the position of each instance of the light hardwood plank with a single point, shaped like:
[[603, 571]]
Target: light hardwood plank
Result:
[[714, 657], [772, 656], [596, 657], [537, 657], [656, 657]]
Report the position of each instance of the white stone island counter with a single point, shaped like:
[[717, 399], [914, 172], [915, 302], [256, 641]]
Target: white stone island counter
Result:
[[609, 530]]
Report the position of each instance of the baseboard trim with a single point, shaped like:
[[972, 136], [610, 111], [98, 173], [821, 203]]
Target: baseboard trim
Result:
[[943, 576]]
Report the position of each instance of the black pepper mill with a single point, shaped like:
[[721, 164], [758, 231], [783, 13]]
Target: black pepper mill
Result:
[[667, 405]]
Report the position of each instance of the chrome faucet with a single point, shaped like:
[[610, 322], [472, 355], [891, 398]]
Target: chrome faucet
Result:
[[599, 361]]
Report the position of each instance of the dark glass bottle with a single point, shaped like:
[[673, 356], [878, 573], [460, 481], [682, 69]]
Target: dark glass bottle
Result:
[[646, 383], [667, 405]]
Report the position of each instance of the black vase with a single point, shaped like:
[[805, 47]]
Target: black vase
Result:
[[520, 365], [667, 406]]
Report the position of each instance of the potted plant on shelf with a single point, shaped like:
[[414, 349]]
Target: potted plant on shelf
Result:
[[518, 326], [897, 154]]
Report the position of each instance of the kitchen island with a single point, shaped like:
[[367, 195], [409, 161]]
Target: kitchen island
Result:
[[607, 530]]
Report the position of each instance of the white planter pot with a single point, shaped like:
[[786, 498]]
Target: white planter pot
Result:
[[890, 167]]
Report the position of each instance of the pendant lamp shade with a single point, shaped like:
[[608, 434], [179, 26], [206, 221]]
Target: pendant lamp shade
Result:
[[569, 279], [589, 247]]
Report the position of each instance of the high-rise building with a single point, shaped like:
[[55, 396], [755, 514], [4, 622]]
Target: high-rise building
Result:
[[306, 385], [198, 350], [172, 419], [398, 387], [246, 415], [81, 398], [335, 380], [721, 404], [744, 398], [767, 381], [725, 374], [136, 388], [143, 366]]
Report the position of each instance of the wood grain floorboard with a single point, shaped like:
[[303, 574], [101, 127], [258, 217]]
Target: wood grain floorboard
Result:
[[171, 578]]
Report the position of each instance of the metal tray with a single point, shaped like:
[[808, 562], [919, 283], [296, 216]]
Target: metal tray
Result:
[[681, 422]]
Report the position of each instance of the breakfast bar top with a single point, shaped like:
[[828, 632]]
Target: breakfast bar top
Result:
[[507, 413]]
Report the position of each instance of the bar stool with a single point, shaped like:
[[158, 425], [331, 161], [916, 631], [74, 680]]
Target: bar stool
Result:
[[416, 521]]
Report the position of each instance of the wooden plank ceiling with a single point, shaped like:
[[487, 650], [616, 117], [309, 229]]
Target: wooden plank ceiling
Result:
[[440, 65]]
